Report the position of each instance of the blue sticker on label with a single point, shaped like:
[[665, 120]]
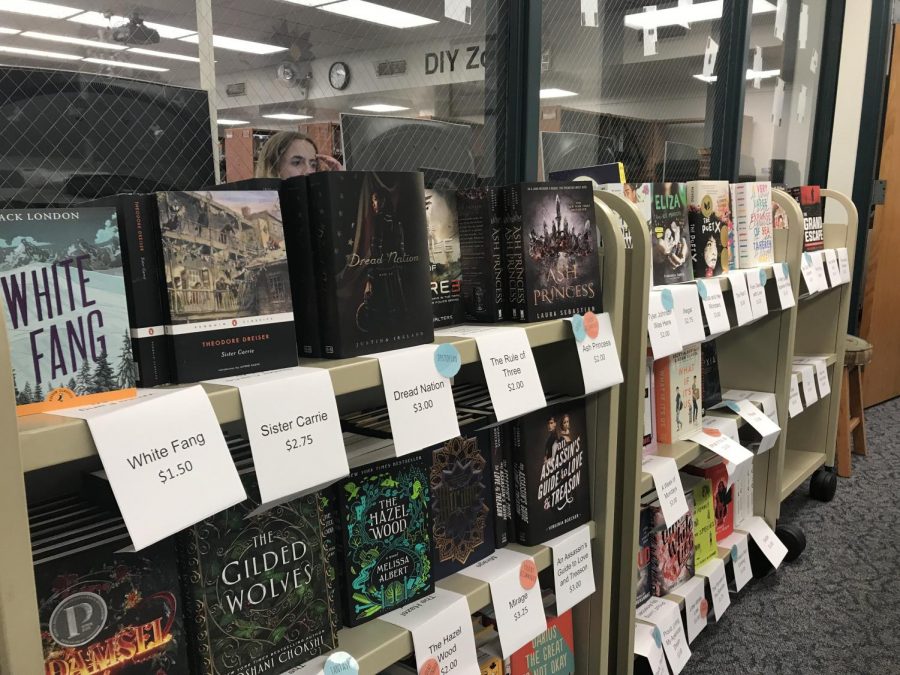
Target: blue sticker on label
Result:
[[786, 269], [701, 289], [733, 406], [762, 277], [807, 258], [657, 637], [341, 663], [668, 302], [578, 331], [734, 553], [447, 360]]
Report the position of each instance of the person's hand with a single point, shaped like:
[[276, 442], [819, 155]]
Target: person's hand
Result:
[[328, 163]]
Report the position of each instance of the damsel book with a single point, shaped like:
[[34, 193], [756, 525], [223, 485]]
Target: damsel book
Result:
[[711, 228], [227, 282], [444, 256], [63, 297], [669, 236]]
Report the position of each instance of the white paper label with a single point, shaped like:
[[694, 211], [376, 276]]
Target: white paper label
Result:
[[783, 283], [714, 570], [314, 666], [726, 425], [834, 270], [765, 427], [814, 62], [695, 608], [766, 539], [573, 571], [809, 273], [804, 25], [780, 18], [458, 10], [741, 296], [757, 66], [844, 265], [822, 377], [510, 372], [709, 57], [668, 487], [818, 265], [736, 542], [722, 445], [600, 366], [662, 326], [167, 452], [687, 312], [808, 380], [650, 34], [710, 291], [795, 404], [419, 399], [778, 103], [441, 628], [666, 615], [294, 430], [590, 13], [757, 291], [515, 594], [648, 643]]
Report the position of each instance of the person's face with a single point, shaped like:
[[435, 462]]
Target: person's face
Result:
[[565, 424], [376, 202], [629, 193], [299, 160], [711, 253], [551, 425]]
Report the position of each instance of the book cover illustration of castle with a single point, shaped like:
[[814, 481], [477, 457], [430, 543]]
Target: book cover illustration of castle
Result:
[[227, 282], [562, 268], [64, 302], [462, 502], [669, 237], [444, 255], [672, 549], [711, 228]]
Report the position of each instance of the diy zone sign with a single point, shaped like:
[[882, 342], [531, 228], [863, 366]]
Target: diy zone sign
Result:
[[451, 60]]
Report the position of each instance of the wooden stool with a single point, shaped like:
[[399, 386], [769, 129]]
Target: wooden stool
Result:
[[851, 416]]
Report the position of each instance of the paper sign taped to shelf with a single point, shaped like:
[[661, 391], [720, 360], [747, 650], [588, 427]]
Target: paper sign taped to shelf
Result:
[[803, 31], [766, 539], [714, 570], [743, 310], [736, 543], [844, 265], [834, 269], [818, 264], [727, 426], [510, 372], [648, 643], [666, 615], [166, 451], [765, 400], [758, 304], [668, 487], [573, 569], [766, 429], [809, 273], [650, 34], [714, 440], [314, 666], [441, 627], [419, 399], [695, 608], [515, 594], [783, 284], [821, 372], [807, 376], [590, 13], [795, 403], [714, 308], [662, 326], [597, 353], [458, 10], [294, 430], [709, 57], [687, 313], [780, 18]]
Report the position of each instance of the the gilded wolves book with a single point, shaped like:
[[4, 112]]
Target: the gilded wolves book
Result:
[[711, 228], [64, 303], [228, 289], [484, 277], [370, 234]]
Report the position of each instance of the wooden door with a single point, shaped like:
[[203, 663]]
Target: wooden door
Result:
[[881, 303]]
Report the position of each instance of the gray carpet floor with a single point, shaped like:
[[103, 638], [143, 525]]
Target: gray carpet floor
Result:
[[836, 609]]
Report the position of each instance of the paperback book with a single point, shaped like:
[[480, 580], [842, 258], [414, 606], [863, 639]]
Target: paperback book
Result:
[[704, 518], [64, 302], [810, 199], [711, 228], [444, 256], [484, 275], [716, 472], [672, 549], [678, 394], [752, 204], [710, 384], [550, 653], [643, 556], [669, 236]]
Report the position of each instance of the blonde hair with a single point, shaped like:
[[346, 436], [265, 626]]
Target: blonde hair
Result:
[[273, 151]]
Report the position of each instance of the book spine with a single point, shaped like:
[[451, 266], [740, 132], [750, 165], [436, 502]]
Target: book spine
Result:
[[500, 466], [322, 235], [194, 613], [663, 399], [301, 263], [513, 253], [520, 486], [695, 223], [741, 216], [494, 209]]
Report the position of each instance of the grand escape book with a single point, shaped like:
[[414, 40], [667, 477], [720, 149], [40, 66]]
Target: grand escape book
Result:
[[484, 274], [810, 199], [711, 228], [228, 289], [64, 302], [669, 236], [370, 235], [444, 256]]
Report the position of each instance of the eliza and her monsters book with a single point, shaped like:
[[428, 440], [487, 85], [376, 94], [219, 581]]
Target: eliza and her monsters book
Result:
[[671, 252], [386, 537], [712, 232], [370, 234], [550, 472], [63, 296], [228, 288], [551, 250], [810, 200], [484, 277], [444, 256]]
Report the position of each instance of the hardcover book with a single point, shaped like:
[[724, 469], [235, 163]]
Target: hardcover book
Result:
[[716, 472], [551, 250], [444, 256], [550, 472], [643, 556], [599, 174], [649, 440], [710, 384], [711, 228], [484, 277], [550, 653], [386, 537], [677, 393], [228, 287], [810, 200], [64, 302], [639, 194], [672, 549], [705, 548], [462, 502], [501, 461], [752, 204], [371, 239], [669, 236]]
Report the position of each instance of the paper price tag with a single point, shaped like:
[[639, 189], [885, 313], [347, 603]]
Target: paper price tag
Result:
[[510, 372], [757, 291], [783, 284], [818, 265], [808, 381], [809, 273], [834, 270], [795, 403], [181, 467], [668, 487], [687, 313], [714, 440], [648, 643], [573, 571], [441, 628], [666, 615], [515, 594], [662, 326], [743, 310], [821, 372], [314, 666], [600, 366], [419, 399], [765, 427], [710, 291], [727, 425], [844, 265], [736, 543], [714, 570], [293, 428], [766, 539], [695, 607]]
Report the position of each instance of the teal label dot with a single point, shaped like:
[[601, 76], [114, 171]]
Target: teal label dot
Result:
[[807, 258], [785, 268], [577, 322], [447, 360], [734, 553], [701, 289], [762, 277], [657, 637], [668, 302], [341, 663], [733, 406]]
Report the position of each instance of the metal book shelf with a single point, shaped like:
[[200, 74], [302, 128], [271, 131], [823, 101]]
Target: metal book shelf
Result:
[[43, 441]]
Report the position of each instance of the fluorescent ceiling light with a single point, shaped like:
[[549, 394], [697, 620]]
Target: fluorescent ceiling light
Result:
[[686, 14], [9, 31], [288, 116], [163, 55], [552, 92], [38, 8], [72, 40], [237, 45], [374, 13], [38, 52], [380, 108], [101, 20], [751, 75], [126, 64], [228, 122]]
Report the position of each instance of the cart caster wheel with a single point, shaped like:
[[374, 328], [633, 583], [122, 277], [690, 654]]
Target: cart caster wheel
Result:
[[823, 485], [792, 537]]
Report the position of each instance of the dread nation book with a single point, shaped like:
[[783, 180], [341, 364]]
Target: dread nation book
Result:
[[484, 277], [550, 472], [551, 250], [711, 228], [444, 256], [671, 252], [227, 284], [63, 296], [386, 537], [371, 239], [810, 199]]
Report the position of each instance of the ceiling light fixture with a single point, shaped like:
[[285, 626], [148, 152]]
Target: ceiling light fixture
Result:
[[102, 21], [552, 92], [687, 14], [164, 55], [375, 13], [287, 116], [227, 122], [127, 64], [379, 108], [38, 52], [72, 40], [34, 8], [237, 45]]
